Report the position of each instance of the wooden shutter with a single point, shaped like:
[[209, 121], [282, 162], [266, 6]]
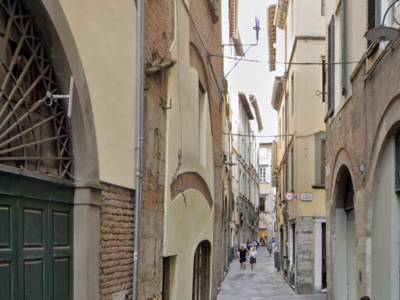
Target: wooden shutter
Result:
[[331, 66], [323, 162]]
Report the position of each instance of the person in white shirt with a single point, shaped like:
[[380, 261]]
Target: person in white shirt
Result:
[[253, 260]]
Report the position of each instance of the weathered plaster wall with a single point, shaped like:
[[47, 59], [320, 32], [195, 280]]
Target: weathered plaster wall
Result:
[[105, 36], [385, 231]]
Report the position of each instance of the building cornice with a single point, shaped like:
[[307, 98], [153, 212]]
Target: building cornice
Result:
[[246, 105], [303, 38], [253, 101], [272, 37], [277, 93], [281, 13]]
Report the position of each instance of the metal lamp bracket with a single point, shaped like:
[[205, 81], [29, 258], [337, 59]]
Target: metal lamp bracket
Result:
[[69, 97]]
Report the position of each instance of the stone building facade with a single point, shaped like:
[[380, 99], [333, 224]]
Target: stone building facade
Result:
[[298, 31], [267, 192], [362, 123]]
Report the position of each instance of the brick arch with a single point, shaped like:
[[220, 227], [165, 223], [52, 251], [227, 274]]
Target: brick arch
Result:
[[342, 172], [388, 126], [191, 181]]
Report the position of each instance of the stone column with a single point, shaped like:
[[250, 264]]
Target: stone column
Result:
[[87, 241]]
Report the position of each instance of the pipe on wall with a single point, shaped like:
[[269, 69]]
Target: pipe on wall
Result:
[[139, 142]]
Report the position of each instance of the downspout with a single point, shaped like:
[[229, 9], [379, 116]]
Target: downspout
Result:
[[344, 46], [139, 141], [230, 193]]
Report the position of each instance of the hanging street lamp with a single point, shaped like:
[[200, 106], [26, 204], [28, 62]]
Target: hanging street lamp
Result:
[[382, 33]]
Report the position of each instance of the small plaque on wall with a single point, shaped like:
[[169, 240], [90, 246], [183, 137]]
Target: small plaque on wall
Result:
[[306, 197]]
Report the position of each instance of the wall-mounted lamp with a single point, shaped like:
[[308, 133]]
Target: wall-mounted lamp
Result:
[[382, 34]]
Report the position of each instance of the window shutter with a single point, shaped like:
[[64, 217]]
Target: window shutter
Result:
[[323, 162], [323, 79], [331, 66], [397, 163]]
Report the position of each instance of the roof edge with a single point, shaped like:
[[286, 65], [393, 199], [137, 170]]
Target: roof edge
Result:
[[254, 103], [277, 93], [246, 105]]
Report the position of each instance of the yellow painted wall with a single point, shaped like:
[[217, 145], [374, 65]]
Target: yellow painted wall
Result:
[[306, 120], [186, 226], [105, 35]]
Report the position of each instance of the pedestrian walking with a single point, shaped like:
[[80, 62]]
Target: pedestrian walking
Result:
[[253, 260], [248, 245], [269, 248], [242, 255], [255, 245]]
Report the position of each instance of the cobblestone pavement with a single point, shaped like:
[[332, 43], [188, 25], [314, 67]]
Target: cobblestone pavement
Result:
[[266, 284]]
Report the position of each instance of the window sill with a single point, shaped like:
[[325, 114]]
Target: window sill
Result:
[[318, 187]]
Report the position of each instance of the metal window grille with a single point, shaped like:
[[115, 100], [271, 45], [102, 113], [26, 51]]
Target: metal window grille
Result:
[[34, 133], [371, 8]]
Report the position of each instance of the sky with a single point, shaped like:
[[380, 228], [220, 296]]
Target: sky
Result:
[[255, 78]]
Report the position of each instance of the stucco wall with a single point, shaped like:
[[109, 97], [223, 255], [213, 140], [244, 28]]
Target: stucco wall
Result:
[[105, 35], [187, 224], [385, 232]]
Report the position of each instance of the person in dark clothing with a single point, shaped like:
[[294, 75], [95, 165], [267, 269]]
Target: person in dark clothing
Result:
[[248, 245], [242, 255], [365, 298]]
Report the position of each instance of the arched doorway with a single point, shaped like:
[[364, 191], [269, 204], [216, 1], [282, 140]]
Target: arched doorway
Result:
[[385, 226], [346, 239], [36, 171], [201, 272]]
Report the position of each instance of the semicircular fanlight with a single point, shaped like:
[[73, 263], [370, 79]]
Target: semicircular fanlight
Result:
[[34, 132]]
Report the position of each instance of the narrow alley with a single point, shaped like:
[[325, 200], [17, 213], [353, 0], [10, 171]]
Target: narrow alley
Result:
[[266, 284]]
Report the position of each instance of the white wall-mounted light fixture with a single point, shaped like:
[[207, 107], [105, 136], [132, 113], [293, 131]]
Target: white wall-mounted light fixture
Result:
[[382, 34]]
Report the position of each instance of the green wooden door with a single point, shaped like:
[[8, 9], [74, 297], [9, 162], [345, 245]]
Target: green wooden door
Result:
[[36, 236], [8, 248]]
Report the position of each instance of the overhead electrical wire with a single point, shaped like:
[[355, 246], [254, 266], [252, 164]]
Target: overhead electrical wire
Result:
[[285, 63]]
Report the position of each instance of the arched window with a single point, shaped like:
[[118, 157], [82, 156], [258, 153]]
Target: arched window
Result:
[[34, 132], [201, 272]]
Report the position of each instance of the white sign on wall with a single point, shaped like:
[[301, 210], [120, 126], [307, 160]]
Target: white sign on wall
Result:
[[306, 197]]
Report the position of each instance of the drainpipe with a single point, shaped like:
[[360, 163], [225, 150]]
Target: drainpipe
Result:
[[139, 141]]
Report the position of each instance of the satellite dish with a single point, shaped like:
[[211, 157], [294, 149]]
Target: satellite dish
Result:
[[257, 28]]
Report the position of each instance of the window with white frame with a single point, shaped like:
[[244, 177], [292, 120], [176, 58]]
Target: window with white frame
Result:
[[263, 174]]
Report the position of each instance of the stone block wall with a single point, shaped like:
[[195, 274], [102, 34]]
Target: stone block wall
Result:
[[116, 242], [305, 255]]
